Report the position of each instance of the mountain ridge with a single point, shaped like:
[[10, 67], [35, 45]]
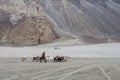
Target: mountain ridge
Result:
[[93, 21]]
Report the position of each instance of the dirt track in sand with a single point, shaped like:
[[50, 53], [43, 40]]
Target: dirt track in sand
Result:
[[74, 69]]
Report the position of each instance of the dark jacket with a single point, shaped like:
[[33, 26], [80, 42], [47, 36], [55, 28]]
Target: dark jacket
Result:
[[43, 55]]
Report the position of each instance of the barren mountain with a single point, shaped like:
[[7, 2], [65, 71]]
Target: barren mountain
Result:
[[5, 24], [32, 31], [92, 21]]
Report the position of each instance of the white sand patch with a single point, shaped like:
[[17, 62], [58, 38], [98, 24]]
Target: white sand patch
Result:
[[98, 50]]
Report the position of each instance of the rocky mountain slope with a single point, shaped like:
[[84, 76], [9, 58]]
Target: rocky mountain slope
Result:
[[32, 31], [92, 21], [29, 24]]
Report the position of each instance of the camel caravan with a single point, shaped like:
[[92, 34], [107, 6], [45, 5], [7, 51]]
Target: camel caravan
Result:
[[45, 58]]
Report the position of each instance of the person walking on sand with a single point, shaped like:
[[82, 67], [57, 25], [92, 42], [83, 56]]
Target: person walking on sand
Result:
[[43, 57]]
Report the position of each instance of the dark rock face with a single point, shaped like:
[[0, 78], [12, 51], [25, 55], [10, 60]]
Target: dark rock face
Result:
[[5, 24], [32, 31], [117, 1]]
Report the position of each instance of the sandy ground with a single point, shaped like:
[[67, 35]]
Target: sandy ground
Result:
[[95, 62], [97, 50], [73, 69]]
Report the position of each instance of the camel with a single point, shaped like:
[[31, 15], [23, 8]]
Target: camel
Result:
[[24, 58], [61, 58], [37, 58], [49, 58]]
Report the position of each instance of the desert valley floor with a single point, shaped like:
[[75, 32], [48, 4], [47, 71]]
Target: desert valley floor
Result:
[[73, 69]]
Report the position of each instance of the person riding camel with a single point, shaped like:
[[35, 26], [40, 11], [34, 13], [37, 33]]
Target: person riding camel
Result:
[[43, 57]]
